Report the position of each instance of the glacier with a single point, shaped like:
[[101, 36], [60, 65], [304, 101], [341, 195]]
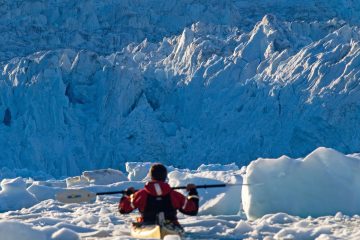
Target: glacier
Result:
[[108, 26], [95, 84]]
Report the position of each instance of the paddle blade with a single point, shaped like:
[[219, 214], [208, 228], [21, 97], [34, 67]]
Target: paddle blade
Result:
[[75, 196]]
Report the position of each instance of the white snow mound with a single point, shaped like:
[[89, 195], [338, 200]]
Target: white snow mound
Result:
[[14, 195], [65, 234], [323, 183]]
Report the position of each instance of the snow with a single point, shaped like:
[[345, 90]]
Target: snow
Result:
[[14, 230], [43, 192], [104, 176], [137, 171], [221, 214], [97, 177], [206, 227], [323, 183], [75, 181], [213, 201], [241, 228], [217, 167], [14, 195], [65, 234], [172, 237]]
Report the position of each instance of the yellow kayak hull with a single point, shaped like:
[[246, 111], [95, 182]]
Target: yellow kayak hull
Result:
[[154, 231]]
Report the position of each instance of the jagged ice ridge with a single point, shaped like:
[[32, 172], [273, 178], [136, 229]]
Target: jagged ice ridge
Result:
[[217, 92]]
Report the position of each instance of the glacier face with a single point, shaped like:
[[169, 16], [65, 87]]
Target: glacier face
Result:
[[108, 26], [225, 89]]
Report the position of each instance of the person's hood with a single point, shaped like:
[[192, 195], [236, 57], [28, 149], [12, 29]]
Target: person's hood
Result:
[[157, 188]]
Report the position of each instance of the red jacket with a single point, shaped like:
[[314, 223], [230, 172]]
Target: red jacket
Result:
[[187, 205]]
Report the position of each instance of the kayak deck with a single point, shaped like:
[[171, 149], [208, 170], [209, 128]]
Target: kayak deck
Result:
[[151, 231]]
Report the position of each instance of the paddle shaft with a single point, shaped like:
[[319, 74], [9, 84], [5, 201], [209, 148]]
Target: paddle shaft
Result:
[[180, 187]]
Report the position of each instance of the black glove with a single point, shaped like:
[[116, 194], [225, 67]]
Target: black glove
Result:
[[191, 189]]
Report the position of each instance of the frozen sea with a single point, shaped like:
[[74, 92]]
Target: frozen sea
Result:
[[267, 207]]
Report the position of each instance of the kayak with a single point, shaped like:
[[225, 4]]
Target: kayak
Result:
[[155, 231]]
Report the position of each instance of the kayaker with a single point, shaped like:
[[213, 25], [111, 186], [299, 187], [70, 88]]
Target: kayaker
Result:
[[157, 196]]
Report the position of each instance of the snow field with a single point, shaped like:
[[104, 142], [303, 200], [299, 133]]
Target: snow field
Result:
[[100, 221], [225, 212]]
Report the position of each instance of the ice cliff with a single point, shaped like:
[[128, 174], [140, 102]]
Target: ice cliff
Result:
[[213, 82], [107, 26]]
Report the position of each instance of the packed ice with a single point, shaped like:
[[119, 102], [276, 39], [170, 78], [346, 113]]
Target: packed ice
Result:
[[274, 204]]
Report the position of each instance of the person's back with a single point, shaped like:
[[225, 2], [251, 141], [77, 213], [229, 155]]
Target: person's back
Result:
[[158, 197]]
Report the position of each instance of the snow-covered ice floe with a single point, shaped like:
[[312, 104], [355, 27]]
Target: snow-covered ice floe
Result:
[[310, 198], [323, 183]]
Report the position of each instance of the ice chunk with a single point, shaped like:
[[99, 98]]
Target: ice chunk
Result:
[[323, 183], [104, 176], [76, 181], [42, 192], [96, 177], [278, 218], [241, 228], [137, 170], [302, 233], [65, 234], [218, 167], [14, 195]]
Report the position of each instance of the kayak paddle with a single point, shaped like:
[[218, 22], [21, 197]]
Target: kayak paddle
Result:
[[82, 195]]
